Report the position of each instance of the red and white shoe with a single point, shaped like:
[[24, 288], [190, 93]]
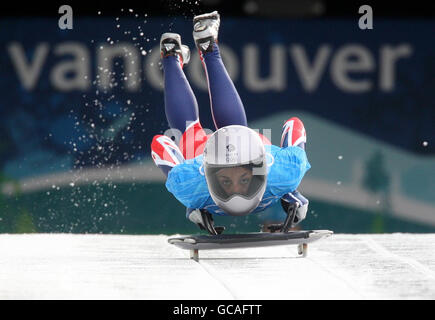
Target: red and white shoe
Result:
[[205, 30], [170, 44]]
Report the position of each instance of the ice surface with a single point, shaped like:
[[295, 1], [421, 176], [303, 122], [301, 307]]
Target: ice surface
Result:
[[344, 266]]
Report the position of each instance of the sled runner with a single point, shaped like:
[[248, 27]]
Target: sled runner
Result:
[[195, 243]]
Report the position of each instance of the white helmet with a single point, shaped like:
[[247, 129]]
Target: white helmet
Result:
[[235, 169]]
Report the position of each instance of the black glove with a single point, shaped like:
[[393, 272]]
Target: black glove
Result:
[[204, 220], [293, 198], [295, 206]]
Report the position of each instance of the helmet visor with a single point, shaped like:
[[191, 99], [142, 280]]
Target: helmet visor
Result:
[[226, 182]]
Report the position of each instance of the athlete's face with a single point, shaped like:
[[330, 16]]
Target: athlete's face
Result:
[[235, 180]]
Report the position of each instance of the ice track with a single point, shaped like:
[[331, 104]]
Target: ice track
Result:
[[344, 266]]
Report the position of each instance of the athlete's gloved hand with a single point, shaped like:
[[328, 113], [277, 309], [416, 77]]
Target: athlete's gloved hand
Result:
[[293, 198], [295, 206], [204, 220]]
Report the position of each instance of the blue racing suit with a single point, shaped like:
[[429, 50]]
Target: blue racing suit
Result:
[[286, 168]]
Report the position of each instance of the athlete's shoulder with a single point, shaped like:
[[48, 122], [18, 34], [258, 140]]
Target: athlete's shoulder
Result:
[[186, 171], [292, 152], [186, 181], [285, 156], [289, 165]]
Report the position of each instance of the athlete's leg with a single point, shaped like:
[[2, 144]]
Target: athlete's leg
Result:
[[226, 105], [181, 107]]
